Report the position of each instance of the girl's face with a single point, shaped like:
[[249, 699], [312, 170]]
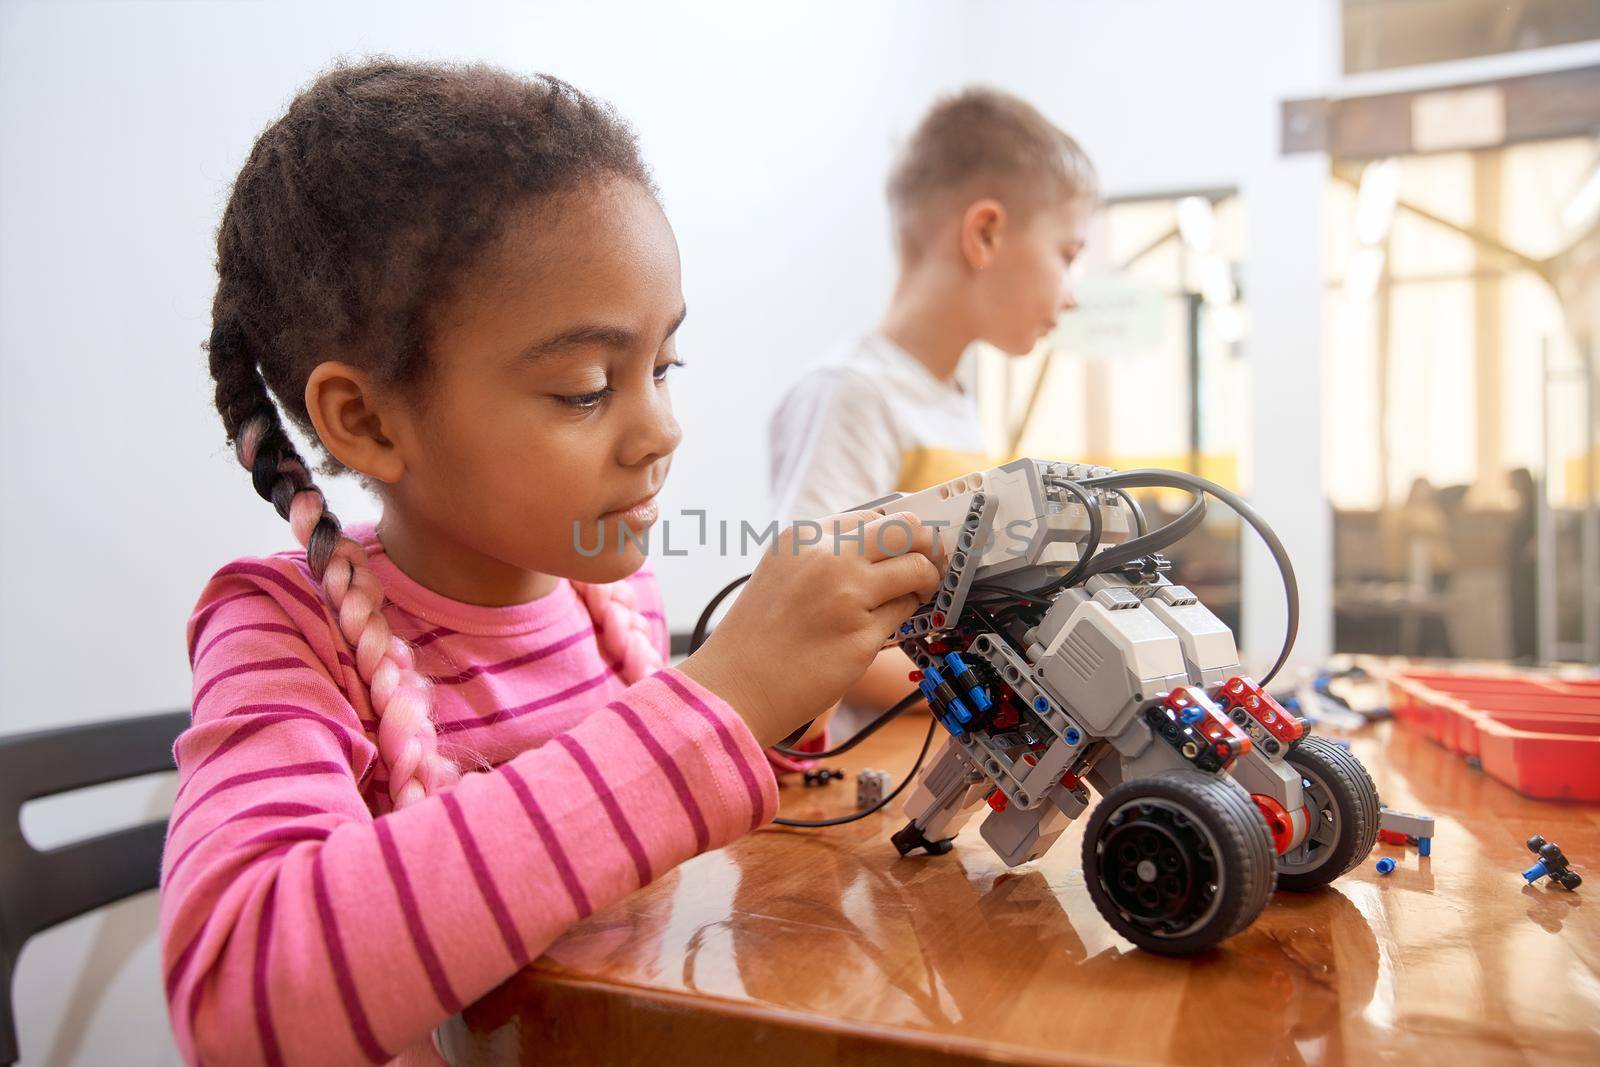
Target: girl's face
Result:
[[547, 415]]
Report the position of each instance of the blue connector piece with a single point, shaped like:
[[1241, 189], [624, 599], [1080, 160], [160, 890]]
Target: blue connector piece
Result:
[[951, 711], [974, 692], [1192, 714], [1424, 846], [1536, 872], [1041, 705], [1385, 865]]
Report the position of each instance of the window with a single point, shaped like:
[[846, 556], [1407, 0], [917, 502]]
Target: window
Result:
[[1458, 403]]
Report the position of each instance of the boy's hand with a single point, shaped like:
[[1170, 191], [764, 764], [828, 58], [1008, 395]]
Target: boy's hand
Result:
[[813, 616]]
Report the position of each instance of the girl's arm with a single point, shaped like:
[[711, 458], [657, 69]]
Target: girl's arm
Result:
[[297, 928]]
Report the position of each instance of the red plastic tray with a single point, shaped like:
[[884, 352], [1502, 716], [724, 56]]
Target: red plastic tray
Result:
[[1538, 735]]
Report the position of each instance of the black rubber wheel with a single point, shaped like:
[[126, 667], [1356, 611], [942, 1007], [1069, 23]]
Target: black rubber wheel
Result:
[[1343, 806], [1178, 861]]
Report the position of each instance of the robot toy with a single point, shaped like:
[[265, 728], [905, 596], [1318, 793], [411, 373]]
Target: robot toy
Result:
[[1060, 657]]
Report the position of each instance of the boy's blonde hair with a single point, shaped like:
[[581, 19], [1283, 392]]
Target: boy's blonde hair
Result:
[[982, 142]]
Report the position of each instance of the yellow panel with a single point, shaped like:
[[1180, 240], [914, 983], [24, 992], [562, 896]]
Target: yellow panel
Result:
[[1575, 478], [922, 467]]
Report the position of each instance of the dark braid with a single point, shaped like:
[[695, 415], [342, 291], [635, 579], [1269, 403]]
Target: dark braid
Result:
[[276, 469], [355, 216]]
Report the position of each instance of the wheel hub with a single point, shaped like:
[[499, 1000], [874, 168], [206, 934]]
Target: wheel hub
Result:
[[1323, 829], [1157, 866]]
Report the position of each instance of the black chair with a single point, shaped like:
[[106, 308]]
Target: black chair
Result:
[[38, 890]]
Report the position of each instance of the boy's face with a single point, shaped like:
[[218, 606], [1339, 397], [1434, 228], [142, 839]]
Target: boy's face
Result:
[[1028, 284], [548, 407]]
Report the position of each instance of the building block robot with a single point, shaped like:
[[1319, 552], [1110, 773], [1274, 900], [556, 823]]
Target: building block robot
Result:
[[1059, 656]]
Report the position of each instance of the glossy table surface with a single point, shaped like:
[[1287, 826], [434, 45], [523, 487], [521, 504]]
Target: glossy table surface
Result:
[[824, 946]]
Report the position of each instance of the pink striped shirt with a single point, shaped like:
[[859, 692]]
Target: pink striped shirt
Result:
[[302, 921]]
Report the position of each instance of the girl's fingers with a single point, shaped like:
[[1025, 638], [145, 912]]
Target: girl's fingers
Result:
[[897, 534], [899, 576], [848, 533], [886, 618]]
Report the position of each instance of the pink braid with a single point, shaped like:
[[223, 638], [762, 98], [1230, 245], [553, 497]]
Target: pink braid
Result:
[[623, 633], [407, 740]]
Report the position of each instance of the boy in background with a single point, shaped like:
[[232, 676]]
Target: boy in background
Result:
[[989, 203]]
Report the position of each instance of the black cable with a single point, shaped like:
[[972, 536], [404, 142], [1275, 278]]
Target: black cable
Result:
[[911, 775], [1152, 542], [1280, 555], [702, 626], [794, 738], [991, 594], [905, 704], [1140, 523], [1091, 546], [699, 636]]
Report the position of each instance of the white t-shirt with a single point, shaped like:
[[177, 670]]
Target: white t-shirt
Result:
[[867, 421]]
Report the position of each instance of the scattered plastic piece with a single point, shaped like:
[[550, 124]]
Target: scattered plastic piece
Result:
[[1553, 864], [871, 787], [1386, 865], [1404, 828]]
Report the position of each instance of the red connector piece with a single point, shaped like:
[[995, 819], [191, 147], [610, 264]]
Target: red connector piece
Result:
[[1279, 825], [1244, 693], [1184, 697], [1190, 704]]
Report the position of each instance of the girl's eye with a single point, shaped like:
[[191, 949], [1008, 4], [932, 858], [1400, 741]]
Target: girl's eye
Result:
[[590, 401], [586, 401]]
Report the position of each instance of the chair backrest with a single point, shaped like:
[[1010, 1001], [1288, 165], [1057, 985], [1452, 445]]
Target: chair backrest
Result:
[[40, 889]]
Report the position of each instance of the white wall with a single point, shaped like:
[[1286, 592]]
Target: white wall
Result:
[[770, 129]]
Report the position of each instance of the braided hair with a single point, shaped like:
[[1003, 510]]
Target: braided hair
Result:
[[355, 214]]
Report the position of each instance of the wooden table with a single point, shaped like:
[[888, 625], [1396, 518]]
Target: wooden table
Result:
[[824, 946]]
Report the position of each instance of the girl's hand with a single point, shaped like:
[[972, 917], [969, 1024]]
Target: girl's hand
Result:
[[813, 617]]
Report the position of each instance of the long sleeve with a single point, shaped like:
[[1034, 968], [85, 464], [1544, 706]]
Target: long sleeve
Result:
[[299, 928]]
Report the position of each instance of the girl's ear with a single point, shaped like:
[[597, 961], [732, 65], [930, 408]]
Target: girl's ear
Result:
[[348, 414], [982, 225]]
